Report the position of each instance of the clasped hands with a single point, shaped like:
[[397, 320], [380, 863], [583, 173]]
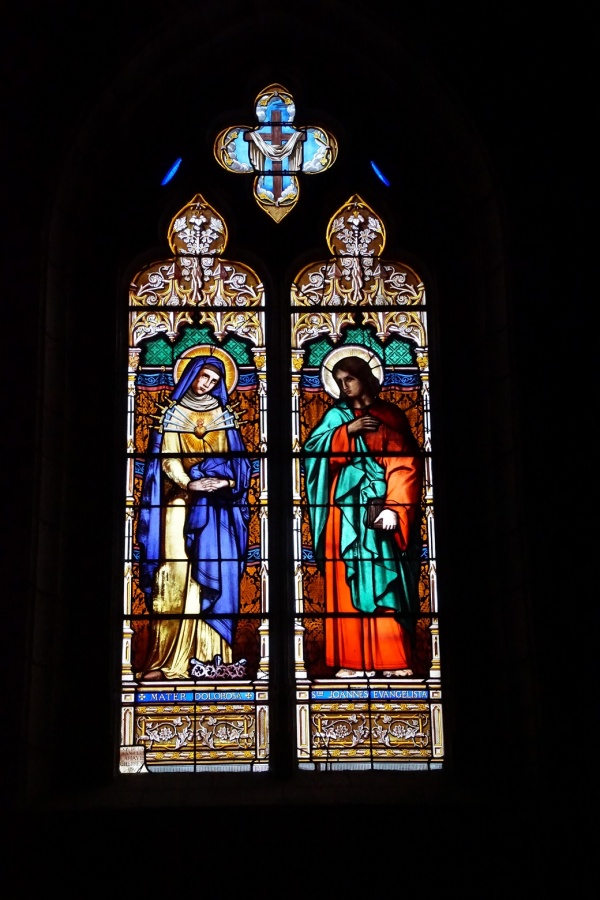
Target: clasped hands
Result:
[[208, 484]]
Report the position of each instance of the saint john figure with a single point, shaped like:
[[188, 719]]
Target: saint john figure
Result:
[[363, 452]]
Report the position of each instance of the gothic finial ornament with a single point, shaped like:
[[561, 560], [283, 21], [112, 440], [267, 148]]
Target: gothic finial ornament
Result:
[[196, 275], [197, 229], [356, 230], [276, 151]]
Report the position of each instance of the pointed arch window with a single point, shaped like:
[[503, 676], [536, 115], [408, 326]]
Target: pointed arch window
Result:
[[195, 637], [367, 628]]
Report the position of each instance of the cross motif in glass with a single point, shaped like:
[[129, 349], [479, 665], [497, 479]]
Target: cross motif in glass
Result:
[[276, 151]]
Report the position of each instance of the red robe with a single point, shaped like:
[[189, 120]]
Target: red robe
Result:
[[377, 641]]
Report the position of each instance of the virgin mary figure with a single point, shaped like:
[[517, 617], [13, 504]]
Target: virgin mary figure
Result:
[[193, 522]]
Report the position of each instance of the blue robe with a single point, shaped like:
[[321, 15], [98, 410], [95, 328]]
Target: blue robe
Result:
[[216, 525]]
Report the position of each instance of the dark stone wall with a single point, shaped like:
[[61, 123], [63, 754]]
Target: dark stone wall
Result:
[[483, 126]]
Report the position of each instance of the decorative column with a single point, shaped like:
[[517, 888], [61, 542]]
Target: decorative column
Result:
[[263, 630]]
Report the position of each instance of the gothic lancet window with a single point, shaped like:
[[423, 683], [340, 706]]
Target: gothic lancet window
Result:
[[195, 641], [367, 667]]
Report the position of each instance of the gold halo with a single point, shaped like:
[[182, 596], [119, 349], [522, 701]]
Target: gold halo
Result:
[[334, 356], [231, 370]]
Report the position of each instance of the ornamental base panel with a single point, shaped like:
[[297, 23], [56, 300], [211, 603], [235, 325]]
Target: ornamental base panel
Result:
[[353, 729], [190, 730]]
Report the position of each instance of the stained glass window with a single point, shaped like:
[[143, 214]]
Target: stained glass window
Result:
[[364, 610], [367, 665], [195, 635]]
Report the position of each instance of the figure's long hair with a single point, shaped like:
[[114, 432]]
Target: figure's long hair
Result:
[[361, 369]]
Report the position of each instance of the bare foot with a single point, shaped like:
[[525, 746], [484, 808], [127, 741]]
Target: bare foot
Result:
[[354, 673]]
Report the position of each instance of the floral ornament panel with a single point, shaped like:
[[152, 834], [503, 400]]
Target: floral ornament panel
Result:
[[357, 274], [197, 275], [276, 151]]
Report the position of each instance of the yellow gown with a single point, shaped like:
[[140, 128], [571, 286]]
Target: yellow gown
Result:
[[174, 641]]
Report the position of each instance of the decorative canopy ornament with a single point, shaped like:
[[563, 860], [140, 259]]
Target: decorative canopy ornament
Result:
[[229, 292], [276, 151], [197, 274], [356, 274]]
